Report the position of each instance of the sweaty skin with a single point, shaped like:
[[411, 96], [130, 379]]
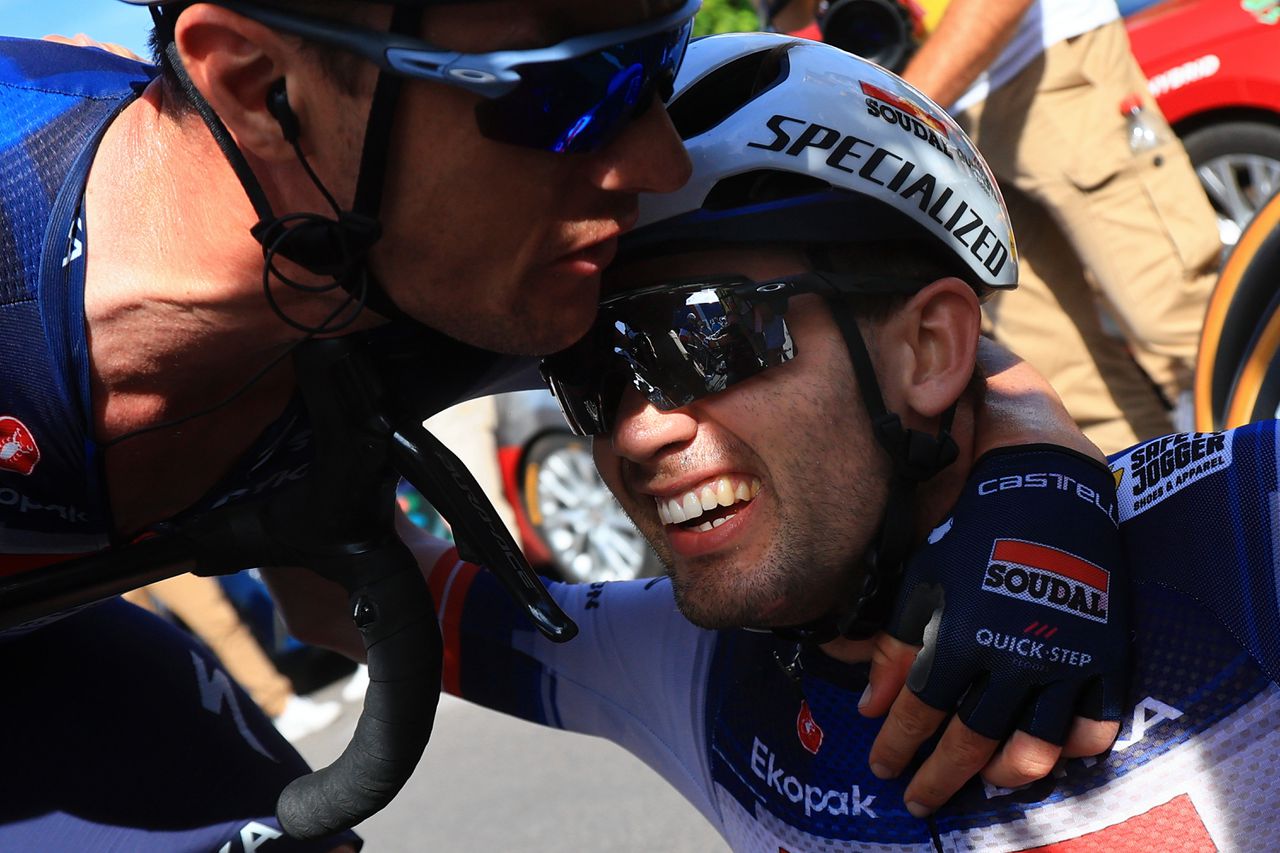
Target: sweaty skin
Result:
[[176, 316]]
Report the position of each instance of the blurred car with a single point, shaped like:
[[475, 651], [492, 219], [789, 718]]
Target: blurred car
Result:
[[1211, 66], [570, 525]]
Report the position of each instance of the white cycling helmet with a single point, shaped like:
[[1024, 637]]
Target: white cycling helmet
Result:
[[799, 141]]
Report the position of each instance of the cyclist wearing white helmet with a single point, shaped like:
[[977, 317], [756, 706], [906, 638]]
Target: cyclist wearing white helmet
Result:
[[759, 329], [298, 170], [833, 176]]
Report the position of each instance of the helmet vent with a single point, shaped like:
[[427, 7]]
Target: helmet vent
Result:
[[727, 89], [761, 187]]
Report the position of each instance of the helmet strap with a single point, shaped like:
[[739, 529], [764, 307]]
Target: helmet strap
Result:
[[916, 456], [336, 246]]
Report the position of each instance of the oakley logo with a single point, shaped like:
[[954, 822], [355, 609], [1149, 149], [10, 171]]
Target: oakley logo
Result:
[[472, 75]]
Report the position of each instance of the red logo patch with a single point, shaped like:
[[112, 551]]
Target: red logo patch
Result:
[[874, 91], [1048, 576], [807, 728], [18, 450]]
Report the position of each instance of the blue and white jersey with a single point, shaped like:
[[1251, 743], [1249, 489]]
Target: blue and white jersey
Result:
[[56, 102], [778, 764]]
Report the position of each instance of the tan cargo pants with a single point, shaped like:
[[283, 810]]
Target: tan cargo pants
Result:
[[1100, 232], [200, 603]]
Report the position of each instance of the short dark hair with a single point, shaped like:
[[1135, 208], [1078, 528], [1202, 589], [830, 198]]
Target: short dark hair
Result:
[[340, 66], [904, 259], [908, 259]]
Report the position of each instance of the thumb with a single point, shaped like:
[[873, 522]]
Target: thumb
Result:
[[891, 660]]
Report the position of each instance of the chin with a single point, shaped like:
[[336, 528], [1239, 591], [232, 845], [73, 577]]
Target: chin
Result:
[[520, 331], [759, 593], [718, 607]]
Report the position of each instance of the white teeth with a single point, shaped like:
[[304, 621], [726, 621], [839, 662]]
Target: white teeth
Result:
[[722, 492], [711, 525], [675, 512]]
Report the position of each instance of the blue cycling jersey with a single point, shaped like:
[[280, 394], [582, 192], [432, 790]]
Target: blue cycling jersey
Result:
[[55, 104], [780, 764], [127, 735]]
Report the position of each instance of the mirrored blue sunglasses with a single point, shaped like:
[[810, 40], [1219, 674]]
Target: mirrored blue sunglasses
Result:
[[570, 97]]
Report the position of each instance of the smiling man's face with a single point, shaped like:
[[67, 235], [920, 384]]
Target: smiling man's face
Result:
[[758, 498]]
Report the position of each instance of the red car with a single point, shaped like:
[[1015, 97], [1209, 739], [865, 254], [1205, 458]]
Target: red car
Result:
[[1214, 71]]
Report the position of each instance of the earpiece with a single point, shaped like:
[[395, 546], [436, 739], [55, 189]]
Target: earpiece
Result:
[[278, 106]]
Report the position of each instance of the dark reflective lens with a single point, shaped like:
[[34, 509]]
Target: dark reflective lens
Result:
[[675, 345], [580, 104]]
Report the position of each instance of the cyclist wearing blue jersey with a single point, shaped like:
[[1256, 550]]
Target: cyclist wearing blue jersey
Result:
[[295, 170], [831, 248]]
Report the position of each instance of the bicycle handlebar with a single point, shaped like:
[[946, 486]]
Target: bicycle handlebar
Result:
[[340, 524], [404, 652]]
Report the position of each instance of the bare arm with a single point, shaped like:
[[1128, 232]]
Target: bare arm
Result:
[[316, 611], [1021, 407], [968, 38]]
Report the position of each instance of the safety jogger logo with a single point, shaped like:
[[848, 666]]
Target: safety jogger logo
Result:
[[1048, 576]]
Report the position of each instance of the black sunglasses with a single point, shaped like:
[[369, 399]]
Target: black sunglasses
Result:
[[570, 97], [681, 341]]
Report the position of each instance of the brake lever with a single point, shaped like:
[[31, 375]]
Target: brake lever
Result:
[[482, 538], [339, 523]]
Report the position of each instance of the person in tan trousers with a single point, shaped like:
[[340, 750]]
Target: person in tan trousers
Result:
[[1107, 235], [1119, 249], [203, 607]]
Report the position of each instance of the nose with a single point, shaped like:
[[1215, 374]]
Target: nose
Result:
[[641, 430], [646, 157]]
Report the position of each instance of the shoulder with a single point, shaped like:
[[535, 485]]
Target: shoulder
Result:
[[69, 70]]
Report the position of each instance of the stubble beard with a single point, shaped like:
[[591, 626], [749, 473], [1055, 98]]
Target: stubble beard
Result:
[[801, 576]]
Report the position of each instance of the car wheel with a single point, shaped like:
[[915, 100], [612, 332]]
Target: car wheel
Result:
[[1239, 165], [587, 534]]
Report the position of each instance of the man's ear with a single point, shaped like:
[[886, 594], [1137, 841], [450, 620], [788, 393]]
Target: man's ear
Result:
[[236, 62], [940, 329]]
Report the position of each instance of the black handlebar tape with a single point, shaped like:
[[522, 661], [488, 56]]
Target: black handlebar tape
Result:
[[397, 620]]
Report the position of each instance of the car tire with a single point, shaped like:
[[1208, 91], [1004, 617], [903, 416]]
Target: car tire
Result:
[[1238, 163], [570, 508]]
